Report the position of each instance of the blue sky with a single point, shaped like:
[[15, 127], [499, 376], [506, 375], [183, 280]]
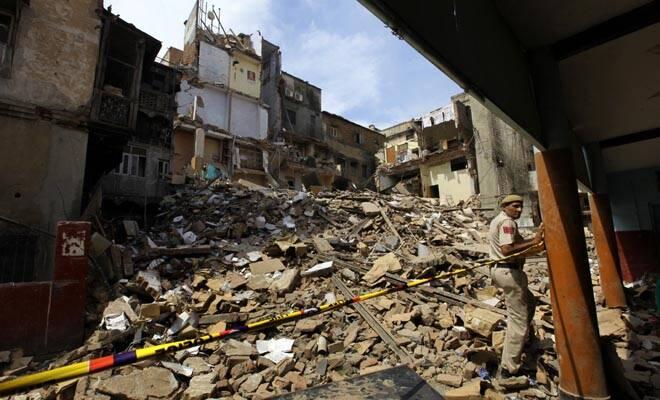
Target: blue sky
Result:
[[366, 73]]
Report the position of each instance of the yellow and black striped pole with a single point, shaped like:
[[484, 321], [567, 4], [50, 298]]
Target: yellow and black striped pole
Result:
[[129, 357]]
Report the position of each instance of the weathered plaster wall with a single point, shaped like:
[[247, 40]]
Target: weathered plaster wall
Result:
[[270, 76], [503, 156], [308, 111], [42, 168], [455, 184], [248, 117], [214, 64], [55, 56]]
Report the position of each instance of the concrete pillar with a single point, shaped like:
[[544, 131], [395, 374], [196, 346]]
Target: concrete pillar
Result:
[[581, 372], [606, 249], [200, 137], [197, 162]]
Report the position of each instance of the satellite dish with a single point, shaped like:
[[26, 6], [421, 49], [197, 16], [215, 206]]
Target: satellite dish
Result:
[[211, 15]]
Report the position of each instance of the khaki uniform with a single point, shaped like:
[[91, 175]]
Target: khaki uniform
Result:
[[520, 302]]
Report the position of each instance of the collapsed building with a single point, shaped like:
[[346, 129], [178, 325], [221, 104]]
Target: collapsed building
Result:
[[354, 148], [299, 154], [458, 151], [221, 120]]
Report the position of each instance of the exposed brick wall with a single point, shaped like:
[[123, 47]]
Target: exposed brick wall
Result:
[[372, 141]]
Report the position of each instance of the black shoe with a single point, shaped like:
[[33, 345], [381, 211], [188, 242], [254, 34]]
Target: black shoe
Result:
[[504, 373]]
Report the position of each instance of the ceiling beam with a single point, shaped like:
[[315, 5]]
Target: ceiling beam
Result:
[[609, 30], [630, 138]]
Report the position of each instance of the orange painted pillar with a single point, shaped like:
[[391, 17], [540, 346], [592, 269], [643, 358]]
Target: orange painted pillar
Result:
[[581, 372], [606, 249]]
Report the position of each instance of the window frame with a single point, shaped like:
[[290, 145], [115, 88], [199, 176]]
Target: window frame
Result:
[[163, 173], [133, 164], [289, 114], [252, 74], [7, 55]]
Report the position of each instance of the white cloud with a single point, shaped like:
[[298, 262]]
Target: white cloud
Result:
[[345, 66]]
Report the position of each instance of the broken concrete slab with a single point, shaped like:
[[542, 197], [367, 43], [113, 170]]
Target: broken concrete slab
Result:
[[267, 266], [150, 383]]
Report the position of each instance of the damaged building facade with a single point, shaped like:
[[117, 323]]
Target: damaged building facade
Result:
[[353, 148], [458, 151], [221, 121], [143, 173], [299, 153]]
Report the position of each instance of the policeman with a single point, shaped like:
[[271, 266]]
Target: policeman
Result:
[[508, 275]]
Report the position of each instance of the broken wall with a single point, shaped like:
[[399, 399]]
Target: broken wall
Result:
[[56, 53], [306, 107], [503, 157], [42, 168], [270, 77], [442, 114], [453, 186], [345, 130], [214, 64], [212, 109], [248, 117]]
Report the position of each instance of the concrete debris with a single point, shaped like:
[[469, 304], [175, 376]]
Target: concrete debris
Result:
[[247, 263], [150, 383]]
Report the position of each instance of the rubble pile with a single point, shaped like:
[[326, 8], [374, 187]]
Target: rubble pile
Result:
[[227, 254]]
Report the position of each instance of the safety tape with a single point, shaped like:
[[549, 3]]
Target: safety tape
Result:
[[129, 357]]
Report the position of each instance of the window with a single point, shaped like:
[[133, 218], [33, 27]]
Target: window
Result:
[[9, 14], [354, 167], [133, 162], [458, 164], [288, 92], [365, 171], [312, 121], [402, 148], [291, 115], [341, 165], [357, 137], [333, 131], [163, 169], [299, 96], [410, 136], [6, 22], [252, 76]]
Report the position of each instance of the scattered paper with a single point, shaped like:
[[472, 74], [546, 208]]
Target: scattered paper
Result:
[[275, 350]]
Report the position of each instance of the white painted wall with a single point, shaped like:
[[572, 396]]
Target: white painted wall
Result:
[[457, 184], [248, 117], [213, 64], [211, 110]]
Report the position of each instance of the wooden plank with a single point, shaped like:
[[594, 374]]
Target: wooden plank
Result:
[[373, 323], [390, 225]]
